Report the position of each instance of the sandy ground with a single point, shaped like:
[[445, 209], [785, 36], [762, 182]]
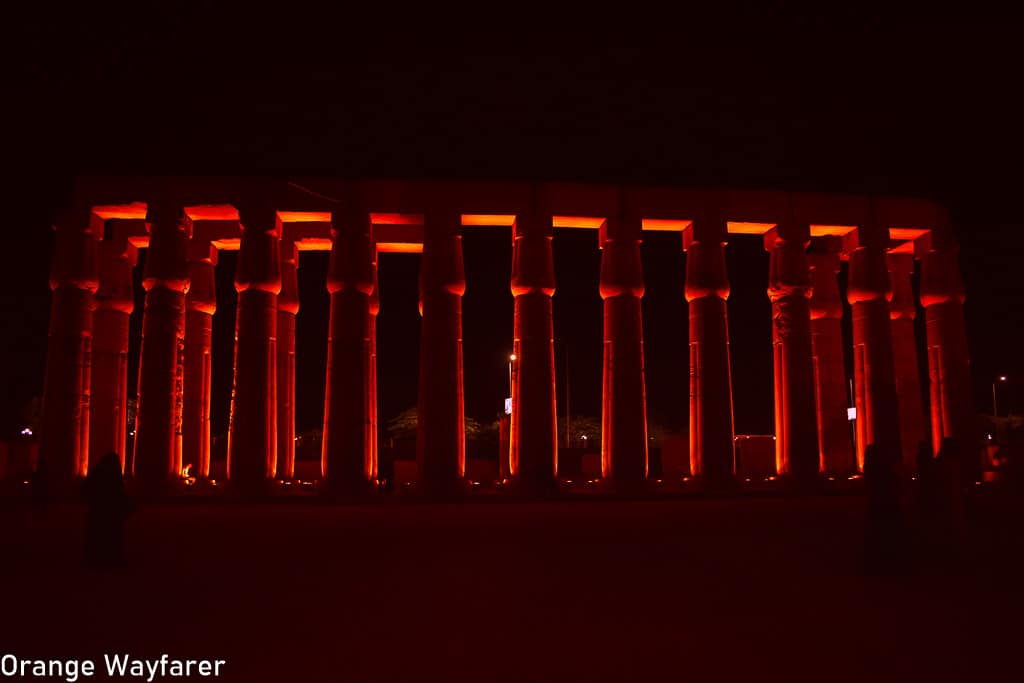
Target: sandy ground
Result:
[[753, 589]]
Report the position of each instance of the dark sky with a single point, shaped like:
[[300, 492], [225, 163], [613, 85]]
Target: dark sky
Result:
[[867, 102]]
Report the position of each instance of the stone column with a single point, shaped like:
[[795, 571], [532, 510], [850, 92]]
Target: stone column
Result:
[[200, 304], [440, 433], [624, 416], [372, 390], [252, 439], [74, 279], [287, 309], [902, 311], [349, 461], [835, 448], [942, 295], [789, 289], [115, 299], [157, 459], [878, 421], [711, 419], [534, 436]]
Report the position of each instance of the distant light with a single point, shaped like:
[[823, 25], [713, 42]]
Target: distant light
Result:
[[584, 437], [27, 431], [513, 357], [851, 414], [989, 437], [1002, 378]]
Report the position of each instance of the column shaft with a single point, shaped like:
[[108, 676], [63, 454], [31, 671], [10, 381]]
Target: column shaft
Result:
[[65, 420], [835, 448], [624, 417], [440, 435], [252, 441], [874, 370], [902, 311], [200, 304], [534, 436], [287, 309], [942, 294], [789, 289], [108, 428], [349, 460], [711, 418], [157, 459]]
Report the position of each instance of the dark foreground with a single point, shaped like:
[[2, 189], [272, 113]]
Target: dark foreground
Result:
[[753, 589]]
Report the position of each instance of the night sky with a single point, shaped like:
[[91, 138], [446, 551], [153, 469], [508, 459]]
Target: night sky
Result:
[[904, 105]]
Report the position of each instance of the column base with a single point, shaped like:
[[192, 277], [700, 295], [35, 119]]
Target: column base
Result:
[[362, 490]]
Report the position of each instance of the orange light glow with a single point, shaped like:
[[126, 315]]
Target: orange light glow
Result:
[[488, 220], [396, 218], [839, 230], [399, 247], [133, 211], [905, 248], [228, 244], [304, 216], [908, 234], [664, 224], [584, 222], [741, 228], [313, 244], [212, 212]]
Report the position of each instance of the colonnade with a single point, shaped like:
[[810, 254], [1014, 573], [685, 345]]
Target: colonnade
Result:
[[85, 392]]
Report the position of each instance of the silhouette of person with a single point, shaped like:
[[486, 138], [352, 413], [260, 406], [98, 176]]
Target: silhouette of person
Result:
[[107, 508]]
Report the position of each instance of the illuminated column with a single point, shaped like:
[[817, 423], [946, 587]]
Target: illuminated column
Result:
[[349, 461], [707, 288], [287, 309], [874, 371], [115, 299], [624, 417], [789, 288], [200, 305], [942, 295], [252, 439], [74, 280], [440, 433], [157, 459], [902, 311], [533, 440], [835, 448], [372, 392]]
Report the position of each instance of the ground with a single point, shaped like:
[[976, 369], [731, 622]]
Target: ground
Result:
[[755, 589]]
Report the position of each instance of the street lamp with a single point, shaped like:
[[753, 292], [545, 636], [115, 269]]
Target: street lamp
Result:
[[995, 410]]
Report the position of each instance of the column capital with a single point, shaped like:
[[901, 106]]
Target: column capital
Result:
[[169, 231], [533, 266], [621, 266], [940, 276], [202, 291], [789, 270], [869, 275], [259, 257], [901, 303], [351, 261], [75, 254], [288, 299], [705, 269], [117, 258]]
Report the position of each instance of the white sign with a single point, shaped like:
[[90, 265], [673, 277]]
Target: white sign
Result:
[[851, 414], [508, 406]]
